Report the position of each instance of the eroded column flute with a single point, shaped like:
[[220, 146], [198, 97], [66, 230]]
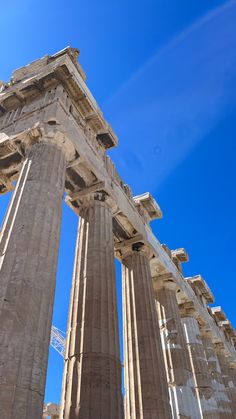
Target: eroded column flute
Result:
[[203, 385], [146, 390], [178, 368], [92, 374], [29, 250]]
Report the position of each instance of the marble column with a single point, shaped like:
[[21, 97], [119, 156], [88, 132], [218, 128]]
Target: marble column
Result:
[[92, 372], [229, 379], [207, 403], [182, 391], [29, 251], [217, 384], [146, 390]]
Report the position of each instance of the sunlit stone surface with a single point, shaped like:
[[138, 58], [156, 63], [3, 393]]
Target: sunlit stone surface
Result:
[[54, 141]]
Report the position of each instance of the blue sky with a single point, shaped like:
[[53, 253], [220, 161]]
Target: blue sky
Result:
[[164, 75]]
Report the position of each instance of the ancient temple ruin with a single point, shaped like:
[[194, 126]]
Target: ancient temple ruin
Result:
[[180, 357]]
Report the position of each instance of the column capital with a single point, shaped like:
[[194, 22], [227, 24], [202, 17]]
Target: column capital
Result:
[[164, 281], [206, 331], [232, 364], [51, 135], [133, 247], [187, 309], [220, 349], [93, 198], [41, 133], [96, 192]]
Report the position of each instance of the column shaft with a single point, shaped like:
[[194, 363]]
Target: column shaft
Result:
[[146, 390], [220, 394], [29, 249], [92, 374], [179, 373], [206, 400]]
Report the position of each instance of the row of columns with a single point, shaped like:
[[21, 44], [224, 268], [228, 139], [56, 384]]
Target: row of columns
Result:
[[191, 357], [171, 369]]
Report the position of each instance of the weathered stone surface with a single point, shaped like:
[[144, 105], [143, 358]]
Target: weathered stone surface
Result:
[[29, 247], [49, 99], [182, 391], [146, 391], [92, 375]]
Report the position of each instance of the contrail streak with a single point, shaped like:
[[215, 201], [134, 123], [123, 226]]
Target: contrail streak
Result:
[[172, 44]]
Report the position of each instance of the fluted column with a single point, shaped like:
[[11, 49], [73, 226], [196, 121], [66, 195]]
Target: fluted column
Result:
[[146, 390], [92, 373], [178, 368], [29, 250], [229, 379], [220, 394], [206, 400]]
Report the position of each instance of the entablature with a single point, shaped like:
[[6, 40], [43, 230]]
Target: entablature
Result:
[[41, 78]]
